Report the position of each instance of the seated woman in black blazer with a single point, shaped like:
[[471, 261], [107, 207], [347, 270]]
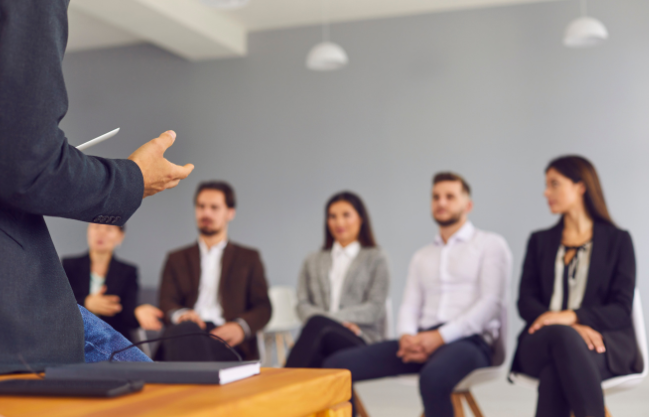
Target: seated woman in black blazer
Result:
[[108, 287], [576, 296]]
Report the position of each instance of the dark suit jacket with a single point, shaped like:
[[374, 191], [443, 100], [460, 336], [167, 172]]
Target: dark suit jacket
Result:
[[243, 290], [40, 174], [608, 300], [121, 280]]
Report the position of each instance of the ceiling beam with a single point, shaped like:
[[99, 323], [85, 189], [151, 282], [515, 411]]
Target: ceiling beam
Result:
[[183, 27]]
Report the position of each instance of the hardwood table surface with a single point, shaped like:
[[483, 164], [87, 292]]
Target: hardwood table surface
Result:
[[274, 392]]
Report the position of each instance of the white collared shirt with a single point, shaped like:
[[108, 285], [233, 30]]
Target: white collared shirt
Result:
[[341, 260], [461, 285], [207, 304]]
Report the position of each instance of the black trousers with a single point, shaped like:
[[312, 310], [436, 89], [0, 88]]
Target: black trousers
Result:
[[438, 376], [320, 338], [570, 374], [194, 348]]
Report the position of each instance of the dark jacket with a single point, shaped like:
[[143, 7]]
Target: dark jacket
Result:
[[608, 300], [121, 280], [41, 175], [243, 290]]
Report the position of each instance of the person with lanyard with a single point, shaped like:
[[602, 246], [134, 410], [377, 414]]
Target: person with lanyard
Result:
[[342, 288], [576, 297], [41, 174]]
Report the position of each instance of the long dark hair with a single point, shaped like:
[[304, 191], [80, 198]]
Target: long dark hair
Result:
[[580, 169], [365, 235]]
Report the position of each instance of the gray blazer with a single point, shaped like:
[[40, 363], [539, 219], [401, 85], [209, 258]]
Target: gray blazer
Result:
[[41, 175], [363, 296]]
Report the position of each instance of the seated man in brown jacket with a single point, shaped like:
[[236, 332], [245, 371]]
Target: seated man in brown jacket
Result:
[[213, 286]]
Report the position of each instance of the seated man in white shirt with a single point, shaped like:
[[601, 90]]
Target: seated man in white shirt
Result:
[[213, 286], [450, 313]]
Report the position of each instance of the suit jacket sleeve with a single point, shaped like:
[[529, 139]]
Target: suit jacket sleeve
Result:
[[259, 309], [41, 173], [170, 294], [530, 304], [616, 313], [373, 306]]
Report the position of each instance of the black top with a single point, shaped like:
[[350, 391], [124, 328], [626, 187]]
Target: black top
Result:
[[121, 280], [608, 299], [40, 174]]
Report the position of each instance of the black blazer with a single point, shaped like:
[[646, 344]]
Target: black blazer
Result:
[[121, 280], [42, 175], [608, 300]]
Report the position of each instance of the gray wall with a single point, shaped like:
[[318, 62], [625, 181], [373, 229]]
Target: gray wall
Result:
[[490, 93]]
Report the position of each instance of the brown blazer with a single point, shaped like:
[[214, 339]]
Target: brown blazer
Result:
[[243, 290]]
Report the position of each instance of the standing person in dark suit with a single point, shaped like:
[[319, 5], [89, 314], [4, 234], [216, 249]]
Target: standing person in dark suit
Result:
[[342, 288], [107, 286], [576, 296], [41, 174], [213, 286]]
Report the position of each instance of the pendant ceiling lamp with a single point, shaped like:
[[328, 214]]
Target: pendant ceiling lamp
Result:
[[326, 56], [226, 4], [585, 31]]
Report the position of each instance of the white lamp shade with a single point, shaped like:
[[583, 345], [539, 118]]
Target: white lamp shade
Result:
[[584, 32], [326, 56], [226, 4]]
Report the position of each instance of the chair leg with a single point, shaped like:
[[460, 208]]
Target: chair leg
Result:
[[360, 407], [458, 410], [473, 405], [281, 351]]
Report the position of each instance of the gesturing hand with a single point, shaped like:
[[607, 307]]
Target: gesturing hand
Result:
[[566, 318], [592, 337], [103, 305], [159, 174]]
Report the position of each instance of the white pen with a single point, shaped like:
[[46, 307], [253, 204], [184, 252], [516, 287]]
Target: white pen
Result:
[[98, 139]]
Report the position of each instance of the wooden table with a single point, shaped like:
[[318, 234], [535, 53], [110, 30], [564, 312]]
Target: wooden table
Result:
[[273, 393]]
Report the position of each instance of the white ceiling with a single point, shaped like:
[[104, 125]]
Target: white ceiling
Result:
[[106, 23], [273, 14]]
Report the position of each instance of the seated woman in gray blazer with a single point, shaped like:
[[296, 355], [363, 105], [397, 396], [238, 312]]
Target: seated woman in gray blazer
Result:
[[342, 288]]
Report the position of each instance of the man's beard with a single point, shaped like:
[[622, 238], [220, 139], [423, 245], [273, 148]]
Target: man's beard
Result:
[[450, 221], [206, 231]]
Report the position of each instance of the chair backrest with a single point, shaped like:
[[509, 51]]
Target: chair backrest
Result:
[[500, 344], [640, 330], [284, 301]]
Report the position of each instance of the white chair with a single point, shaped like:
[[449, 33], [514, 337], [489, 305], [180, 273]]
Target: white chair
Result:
[[283, 321], [480, 376], [477, 377], [620, 383]]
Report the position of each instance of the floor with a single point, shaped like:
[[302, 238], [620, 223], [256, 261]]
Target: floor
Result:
[[392, 398]]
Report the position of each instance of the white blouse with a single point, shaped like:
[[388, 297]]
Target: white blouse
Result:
[[341, 260], [577, 277]]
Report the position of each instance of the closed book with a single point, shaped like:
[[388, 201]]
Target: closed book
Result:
[[158, 372]]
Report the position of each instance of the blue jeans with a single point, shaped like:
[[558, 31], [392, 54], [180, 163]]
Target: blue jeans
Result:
[[101, 341], [445, 368]]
